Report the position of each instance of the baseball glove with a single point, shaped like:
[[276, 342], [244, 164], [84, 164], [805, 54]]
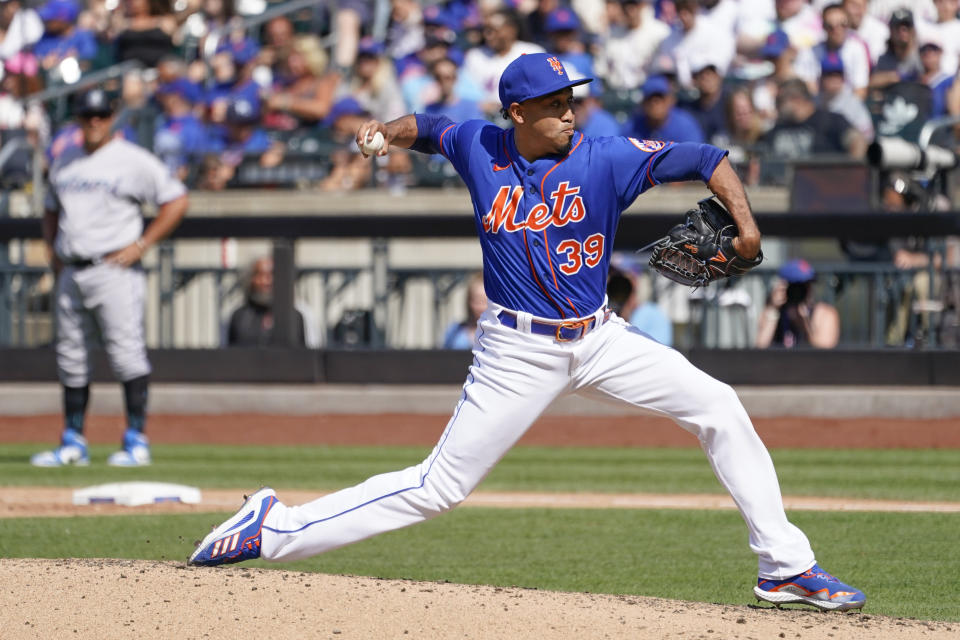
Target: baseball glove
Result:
[[699, 250]]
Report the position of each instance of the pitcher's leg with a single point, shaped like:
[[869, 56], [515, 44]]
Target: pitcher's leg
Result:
[[496, 408], [646, 374]]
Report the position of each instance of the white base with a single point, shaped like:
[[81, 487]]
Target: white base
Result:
[[133, 494]]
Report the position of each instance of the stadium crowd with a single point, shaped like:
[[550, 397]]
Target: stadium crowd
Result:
[[224, 103]]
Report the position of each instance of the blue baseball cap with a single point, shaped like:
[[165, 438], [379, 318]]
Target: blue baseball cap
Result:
[[435, 16], [831, 63], [655, 86], [63, 10], [344, 107], [797, 271], [561, 20], [369, 47], [533, 75], [777, 42], [181, 87]]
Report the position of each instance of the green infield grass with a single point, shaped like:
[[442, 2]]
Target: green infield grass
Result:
[[906, 562], [902, 474]]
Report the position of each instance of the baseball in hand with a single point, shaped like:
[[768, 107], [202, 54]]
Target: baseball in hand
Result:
[[372, 147]]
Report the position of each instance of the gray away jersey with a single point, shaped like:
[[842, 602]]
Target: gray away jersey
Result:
[[99, 197]]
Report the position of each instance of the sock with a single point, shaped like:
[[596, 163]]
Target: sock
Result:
[[75, 407], [135, 399]]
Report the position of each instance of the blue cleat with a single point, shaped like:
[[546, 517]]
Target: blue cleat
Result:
[[815, 587], [135, 451], [72, 450], [238, 538]]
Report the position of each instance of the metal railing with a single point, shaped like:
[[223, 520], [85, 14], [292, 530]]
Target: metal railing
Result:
[[189, 306]]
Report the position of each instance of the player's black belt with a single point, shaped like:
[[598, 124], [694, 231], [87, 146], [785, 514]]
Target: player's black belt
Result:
[[81, 264], [561, 331]]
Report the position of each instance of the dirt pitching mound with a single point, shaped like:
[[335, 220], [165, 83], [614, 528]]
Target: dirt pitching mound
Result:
[[76, 598]]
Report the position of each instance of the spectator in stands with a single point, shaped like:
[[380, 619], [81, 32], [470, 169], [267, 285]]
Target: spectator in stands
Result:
[[792, 316], [21, 120], [744, 128], [349, 21], [20, 28], [243, 135], [660, 118], [836, 96], [931, 53], [803, 129], [304, 92], [147, 34], [801, 21], [778, 50], [251, 325], [463, 335], [621, 293], [952, 100], [137, 115], [849, 48], [502, 44], [278, 35], [442, 23], [709, 106], [417, 84], [450, 103], [534, 16], [695, 38], [241, 138], [405, 33], [902, 193], [565, 37], [901, 61], [235, 42], [181, 137], [592, 118], [374, 85], [873, 31], [374, 82], [349, 170], [61, 38], [625, 57], [946, 31], [623, 299], [213, 15], [798, 19]]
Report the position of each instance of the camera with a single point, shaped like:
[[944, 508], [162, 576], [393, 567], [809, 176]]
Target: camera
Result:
[[897, 153]]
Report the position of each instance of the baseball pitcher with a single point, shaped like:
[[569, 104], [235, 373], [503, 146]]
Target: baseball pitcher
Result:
[[547, 201], [94, 232]]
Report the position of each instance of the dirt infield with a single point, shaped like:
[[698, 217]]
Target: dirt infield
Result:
[[163, 600], [127, 599], [407, 429]]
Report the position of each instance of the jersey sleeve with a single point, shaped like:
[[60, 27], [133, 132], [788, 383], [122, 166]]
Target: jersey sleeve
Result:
[[156, 184], [637, 165], [454, 140]]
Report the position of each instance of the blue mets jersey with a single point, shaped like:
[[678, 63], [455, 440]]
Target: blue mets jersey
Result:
[[547, 227]]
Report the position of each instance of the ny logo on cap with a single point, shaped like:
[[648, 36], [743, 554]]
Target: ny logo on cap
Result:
[[555, 63]]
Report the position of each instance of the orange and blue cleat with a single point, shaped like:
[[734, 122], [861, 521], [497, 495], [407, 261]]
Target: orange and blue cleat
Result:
[[814, 587], [238, 538]]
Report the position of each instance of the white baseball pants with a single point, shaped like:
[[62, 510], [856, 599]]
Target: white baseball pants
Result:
[[514, 377], [102, 299]]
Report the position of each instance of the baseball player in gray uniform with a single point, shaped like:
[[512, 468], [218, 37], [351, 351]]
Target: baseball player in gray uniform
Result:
[[94, 230]]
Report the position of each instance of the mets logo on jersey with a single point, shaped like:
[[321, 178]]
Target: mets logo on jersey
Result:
[[556, 65], [503, 211], [648, 145]]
